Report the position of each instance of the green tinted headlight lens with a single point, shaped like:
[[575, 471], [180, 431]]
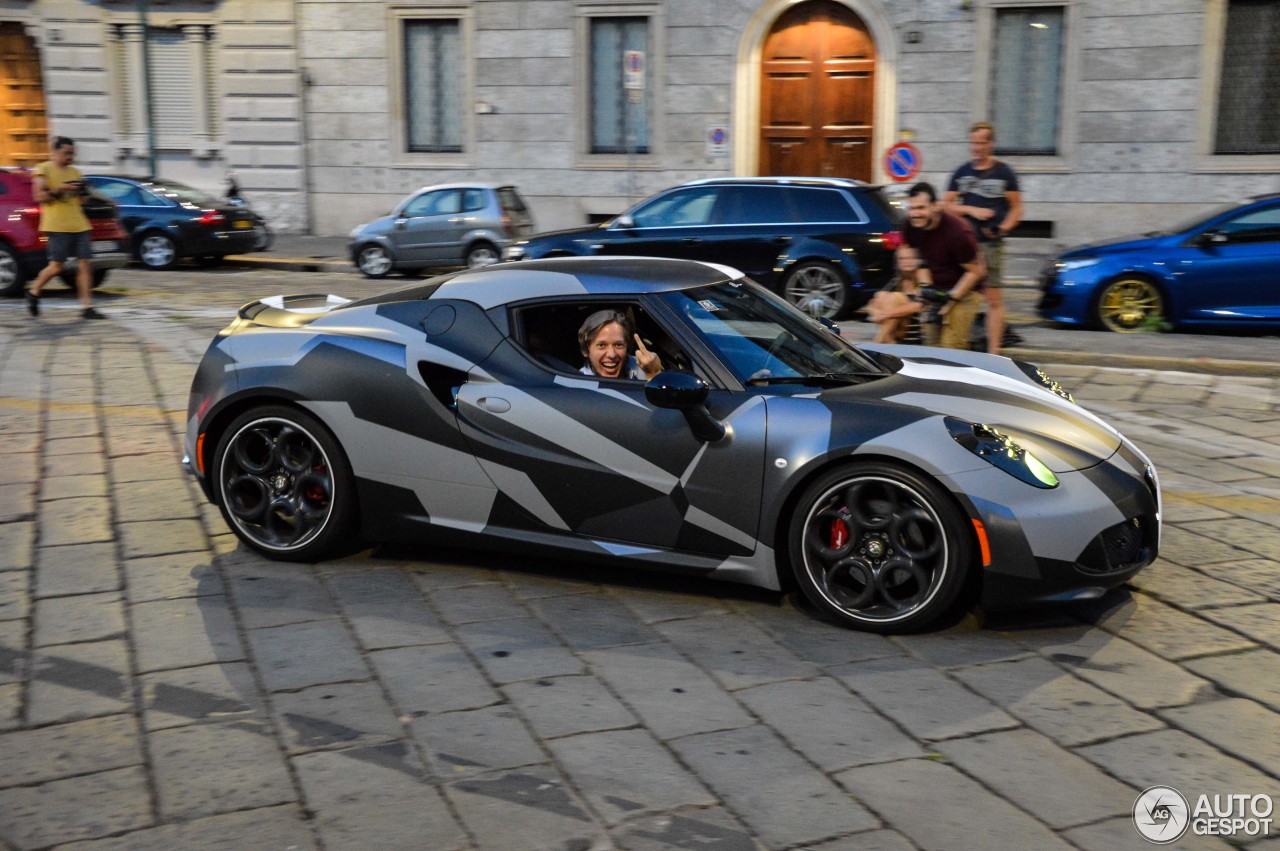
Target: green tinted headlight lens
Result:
[[1001, 451]]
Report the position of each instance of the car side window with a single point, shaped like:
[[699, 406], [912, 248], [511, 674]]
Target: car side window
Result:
[[754, 205], [440, 202], [549, 333], [121, 193], [677, 209], [1255, 226], [814, 204], [473, 199]]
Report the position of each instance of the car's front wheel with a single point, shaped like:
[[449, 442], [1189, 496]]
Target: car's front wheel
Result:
[[157, 251], [373, 260], [879, 547], [284, 485], [1129, 304], [818, 289]]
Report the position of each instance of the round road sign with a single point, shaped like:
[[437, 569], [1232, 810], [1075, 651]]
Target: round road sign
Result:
[[902, 161]]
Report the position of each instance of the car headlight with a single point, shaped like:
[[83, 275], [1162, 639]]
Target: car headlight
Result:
[[514, 252], [1001, 451], [1077, 263], [1037, 375]]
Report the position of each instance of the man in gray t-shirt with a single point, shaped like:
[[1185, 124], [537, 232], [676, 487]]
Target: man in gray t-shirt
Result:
[[985, 192]]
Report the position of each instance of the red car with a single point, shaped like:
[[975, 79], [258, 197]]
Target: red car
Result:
[[22, 246]]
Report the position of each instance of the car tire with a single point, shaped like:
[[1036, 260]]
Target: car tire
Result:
[[69, 278], [818, 289], [285, 486], [482, 254], [1127, 305], [373, 260], [879, 547], [157, 251], [263, 237], [12, 278]]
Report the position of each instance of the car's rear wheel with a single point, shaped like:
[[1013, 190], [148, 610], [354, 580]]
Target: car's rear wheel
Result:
[[819, 289], [1126, 305], [12, 278], [879, 547], [157, 251], [373, 260], [284, 485], [482, 254], [263, 237]]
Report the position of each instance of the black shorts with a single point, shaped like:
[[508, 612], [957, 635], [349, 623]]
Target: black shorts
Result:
[[64, 245]]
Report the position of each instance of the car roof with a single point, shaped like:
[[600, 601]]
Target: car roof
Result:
[[475, 184], [839, 182], [502, 283]]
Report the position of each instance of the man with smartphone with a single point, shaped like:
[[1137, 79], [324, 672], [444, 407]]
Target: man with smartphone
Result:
[[60, 190]]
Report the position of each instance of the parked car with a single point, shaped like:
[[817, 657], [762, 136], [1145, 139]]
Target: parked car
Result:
[[880, 479], [826, 245], [167, 220], [23, 247], [1219, 269], [453, 224]]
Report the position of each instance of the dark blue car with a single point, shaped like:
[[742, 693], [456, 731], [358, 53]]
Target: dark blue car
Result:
[[1220, 269]]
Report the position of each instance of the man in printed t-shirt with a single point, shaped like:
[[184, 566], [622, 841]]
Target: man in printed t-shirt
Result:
[[985, 191], [950, 252]]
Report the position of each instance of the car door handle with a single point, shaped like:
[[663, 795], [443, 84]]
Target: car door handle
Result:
[[493, 404], [456, 219], [691, 240]]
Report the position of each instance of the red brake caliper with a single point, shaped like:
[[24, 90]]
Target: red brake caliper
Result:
[[839, 533]]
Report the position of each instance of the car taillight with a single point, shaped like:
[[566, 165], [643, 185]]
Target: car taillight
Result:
[[506, 226], [893, 240], [31, 214], [212, 217]]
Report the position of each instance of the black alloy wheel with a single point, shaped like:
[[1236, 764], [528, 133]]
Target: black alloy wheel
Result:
[[284, 485], [879, 548]]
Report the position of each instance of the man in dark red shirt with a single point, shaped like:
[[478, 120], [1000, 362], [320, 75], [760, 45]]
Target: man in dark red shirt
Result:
[[949, 250]]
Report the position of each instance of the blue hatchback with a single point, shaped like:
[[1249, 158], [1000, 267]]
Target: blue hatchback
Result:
[[1220, 269]]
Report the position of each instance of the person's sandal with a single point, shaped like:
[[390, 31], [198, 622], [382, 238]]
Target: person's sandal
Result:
[[90, 313], [33, 302]]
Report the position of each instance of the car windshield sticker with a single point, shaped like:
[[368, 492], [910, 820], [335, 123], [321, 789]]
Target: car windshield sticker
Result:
[[709, 306]]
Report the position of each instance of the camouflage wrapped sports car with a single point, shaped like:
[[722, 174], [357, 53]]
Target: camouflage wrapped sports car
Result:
[[765, 449]]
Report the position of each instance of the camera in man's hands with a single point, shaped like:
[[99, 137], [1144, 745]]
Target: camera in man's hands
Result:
[[932, 299]]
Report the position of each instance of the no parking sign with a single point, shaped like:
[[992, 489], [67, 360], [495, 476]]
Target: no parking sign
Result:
[[902, 161]]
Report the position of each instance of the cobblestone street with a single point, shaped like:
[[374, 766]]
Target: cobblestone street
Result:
[[163, 687]]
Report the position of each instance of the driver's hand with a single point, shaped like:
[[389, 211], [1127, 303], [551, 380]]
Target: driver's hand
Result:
[[648, 361]]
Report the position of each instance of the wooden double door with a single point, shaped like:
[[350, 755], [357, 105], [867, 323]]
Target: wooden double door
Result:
[[818, 93], [23, 127]]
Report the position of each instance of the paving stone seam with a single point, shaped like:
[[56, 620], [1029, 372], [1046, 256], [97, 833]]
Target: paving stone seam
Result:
[[269, 720], [1195, 613]]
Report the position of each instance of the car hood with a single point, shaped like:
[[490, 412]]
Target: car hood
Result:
[[991, 390], [1118, 245], [567, 234]]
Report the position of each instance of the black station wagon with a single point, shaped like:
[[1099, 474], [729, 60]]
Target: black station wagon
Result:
[[824, 244]]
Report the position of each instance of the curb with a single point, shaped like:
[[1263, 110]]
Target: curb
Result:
[[292, 264], [1206, 366]]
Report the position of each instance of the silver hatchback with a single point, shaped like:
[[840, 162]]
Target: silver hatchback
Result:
[[453, 224]]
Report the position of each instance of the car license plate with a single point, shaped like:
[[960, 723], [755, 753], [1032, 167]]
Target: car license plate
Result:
[[242, 225], [102, 246]]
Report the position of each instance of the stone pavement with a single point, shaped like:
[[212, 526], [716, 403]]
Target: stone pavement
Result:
[[162, 687]]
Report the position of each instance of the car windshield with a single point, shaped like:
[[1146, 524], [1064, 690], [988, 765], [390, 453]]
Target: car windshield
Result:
[[183, 194], [1199, 218], [763, 340]]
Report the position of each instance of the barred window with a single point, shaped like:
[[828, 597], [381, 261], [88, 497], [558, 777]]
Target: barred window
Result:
[[619, 116], [1026, 84], [433, 71], [1249, 88]]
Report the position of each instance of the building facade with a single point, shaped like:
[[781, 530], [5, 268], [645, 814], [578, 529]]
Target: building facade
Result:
[[1120, 115]]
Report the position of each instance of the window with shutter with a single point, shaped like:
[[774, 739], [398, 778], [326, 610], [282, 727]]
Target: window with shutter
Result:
[[1249, 81]]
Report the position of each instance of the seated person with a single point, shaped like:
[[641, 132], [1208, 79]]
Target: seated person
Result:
[[603, 342], [894, 308]]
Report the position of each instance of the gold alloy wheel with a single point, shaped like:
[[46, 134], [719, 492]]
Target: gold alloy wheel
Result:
[[1128, 304]]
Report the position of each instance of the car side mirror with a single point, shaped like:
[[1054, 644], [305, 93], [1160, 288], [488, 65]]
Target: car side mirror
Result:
[[625, 222], [1213, 236], [686, 393], [830, 326]]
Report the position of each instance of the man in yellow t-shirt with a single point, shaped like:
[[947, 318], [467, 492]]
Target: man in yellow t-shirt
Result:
[[59, 190]]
